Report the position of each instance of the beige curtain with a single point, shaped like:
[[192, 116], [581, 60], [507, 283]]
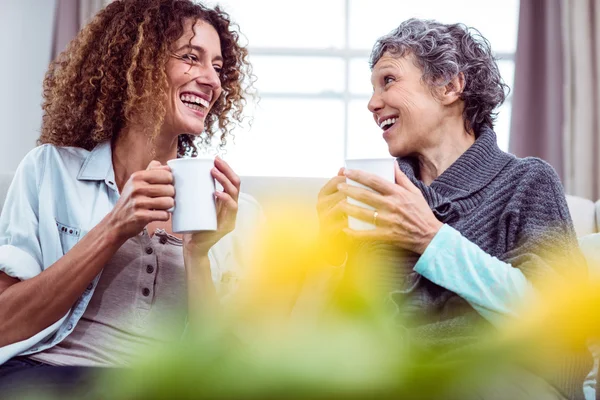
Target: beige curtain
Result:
[[89, 8], [581, 139], [537, 107], [70, 17]]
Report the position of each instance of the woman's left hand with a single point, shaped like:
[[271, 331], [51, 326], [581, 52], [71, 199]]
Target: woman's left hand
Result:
[[197, 244], [403, 215]]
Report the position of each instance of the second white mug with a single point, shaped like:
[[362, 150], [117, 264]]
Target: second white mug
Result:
[[382, 167]]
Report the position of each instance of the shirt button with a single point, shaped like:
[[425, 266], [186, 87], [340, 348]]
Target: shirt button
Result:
[[149, 269], [146, 292], [163, 240], [70, 327], [90, 286], [149, 250]]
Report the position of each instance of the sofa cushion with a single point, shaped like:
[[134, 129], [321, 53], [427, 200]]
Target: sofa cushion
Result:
[[598, 216], [272, 192], [590, 246], [583, 213], [5, 180]]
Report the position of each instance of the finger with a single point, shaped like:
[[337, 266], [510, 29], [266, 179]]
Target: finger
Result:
[[336, 212], [160, 167], [225, 169], [158, 190], [365, 214], [402, 179], [341, 172], [227, 210], [337, 227], [157, 176], [157, 215], [153, 164], [331, 186], [363, 195], [157, 203], [228, 186], [340, 224], [227, 201], [377, 234], [327, 202], [370, 180]]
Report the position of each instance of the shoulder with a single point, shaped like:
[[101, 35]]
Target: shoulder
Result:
[[48, 153], [68, 157], [56, 158], [533, 177], [534, 169], [537, 189]]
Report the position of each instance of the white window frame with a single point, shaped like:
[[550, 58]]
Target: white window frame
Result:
[[346, 54]]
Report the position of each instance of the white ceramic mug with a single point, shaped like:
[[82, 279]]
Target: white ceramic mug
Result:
[[195, 207], [382, 167]]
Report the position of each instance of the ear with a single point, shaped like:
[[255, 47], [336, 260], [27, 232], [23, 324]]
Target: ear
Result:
[[453, 89]]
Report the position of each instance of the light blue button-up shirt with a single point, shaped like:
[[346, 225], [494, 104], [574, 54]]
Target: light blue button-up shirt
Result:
[[57, 195]]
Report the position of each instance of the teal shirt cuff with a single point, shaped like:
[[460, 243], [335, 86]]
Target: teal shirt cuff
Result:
[[493, 287]]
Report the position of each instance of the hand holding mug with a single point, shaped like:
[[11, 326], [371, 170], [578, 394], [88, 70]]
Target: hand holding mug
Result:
[[403, 215], [198, 241], [145, 198], [332, 220]]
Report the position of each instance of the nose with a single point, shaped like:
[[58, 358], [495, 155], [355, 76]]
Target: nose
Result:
[[375, 103], [208, 77]]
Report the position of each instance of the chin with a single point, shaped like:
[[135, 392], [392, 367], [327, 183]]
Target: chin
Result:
[[195, 130], [398, 151], [395, 150]]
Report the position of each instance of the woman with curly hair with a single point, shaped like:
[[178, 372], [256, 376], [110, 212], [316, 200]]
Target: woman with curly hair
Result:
[[466, 228], [90, 270]]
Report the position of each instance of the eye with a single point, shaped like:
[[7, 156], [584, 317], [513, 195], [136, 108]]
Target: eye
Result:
[[189, 58], [388, 79], [218, 69]]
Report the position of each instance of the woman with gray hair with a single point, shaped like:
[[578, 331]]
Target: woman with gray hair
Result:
[[467, 229]]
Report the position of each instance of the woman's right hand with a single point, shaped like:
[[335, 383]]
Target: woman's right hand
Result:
[[145, 198], [332, 221]]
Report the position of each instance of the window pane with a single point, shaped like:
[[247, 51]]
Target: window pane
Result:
[[291, 137], [496, 20], [298, 74], [502, 125], [298, 24], [364, 136], [507, 70], [360, 76]]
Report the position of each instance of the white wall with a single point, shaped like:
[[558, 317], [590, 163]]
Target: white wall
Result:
[[25, 46]]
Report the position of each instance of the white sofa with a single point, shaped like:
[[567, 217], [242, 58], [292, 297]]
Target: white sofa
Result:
[[273, 192]]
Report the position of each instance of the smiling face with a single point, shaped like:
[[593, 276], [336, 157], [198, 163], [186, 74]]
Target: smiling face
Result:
[[193, 78], [404, 106]]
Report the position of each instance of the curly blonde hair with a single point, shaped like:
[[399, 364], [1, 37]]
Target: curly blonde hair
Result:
[[113, 74]]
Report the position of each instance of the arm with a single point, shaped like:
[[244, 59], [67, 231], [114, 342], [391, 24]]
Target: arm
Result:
[[540, 238], [202, 294], [203, 300], [32, 298], [494, 288], [31, 305], [541, 244]]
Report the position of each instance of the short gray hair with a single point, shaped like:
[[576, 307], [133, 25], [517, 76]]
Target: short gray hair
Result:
[[442, 52]]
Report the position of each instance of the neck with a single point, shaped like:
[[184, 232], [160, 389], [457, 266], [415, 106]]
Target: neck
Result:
[[451, 145], [133, 150]]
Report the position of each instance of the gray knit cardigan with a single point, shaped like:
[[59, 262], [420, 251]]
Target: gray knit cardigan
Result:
[[513, 209]]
